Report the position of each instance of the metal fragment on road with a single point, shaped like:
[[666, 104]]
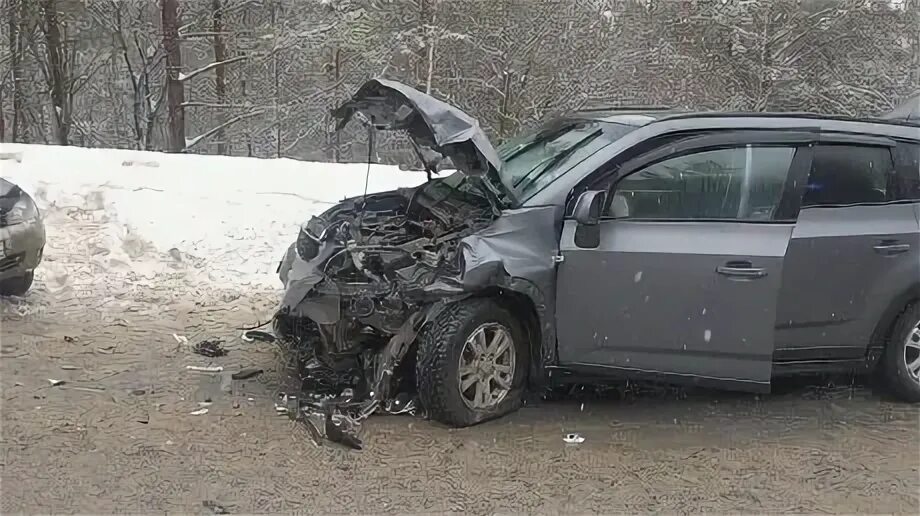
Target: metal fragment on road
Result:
[[573, 439], [55, 383], [199, 412], [205, 369]]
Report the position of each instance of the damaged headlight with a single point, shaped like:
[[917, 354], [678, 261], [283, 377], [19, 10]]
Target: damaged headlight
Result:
[[24, 210], [307, 245]]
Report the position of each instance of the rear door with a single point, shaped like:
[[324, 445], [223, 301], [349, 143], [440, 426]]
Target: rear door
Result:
[[854, 250], [686, 276]]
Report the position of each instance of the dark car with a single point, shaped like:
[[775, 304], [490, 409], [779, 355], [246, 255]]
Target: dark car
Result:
[[707, 248], [22, 239]]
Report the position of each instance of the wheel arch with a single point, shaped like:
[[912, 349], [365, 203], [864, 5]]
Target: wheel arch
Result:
[[886, 324], [523, 308]]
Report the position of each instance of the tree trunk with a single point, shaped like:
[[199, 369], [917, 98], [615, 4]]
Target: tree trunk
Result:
[[220, 55], [15, 43], [175, 94], [57, 72]]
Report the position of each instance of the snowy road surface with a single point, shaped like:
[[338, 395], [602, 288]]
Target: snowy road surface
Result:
[[118, 435]]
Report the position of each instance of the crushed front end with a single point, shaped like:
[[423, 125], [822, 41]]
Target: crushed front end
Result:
[[364, 276], [361, 280]]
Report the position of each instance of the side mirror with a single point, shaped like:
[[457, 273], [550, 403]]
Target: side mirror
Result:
[[588, 207], [588, 214]]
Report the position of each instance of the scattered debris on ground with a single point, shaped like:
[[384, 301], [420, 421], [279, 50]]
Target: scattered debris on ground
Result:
[[205, 369], [253, 335], [55, 383], [573, 439], [214, 507], [199, 412], [246, 373], [210, 348], [69, 339]]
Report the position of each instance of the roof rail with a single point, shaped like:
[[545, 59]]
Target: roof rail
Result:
[[791, 114], [613, 109]]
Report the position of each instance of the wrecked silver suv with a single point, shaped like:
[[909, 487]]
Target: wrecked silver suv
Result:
[[709, 248]]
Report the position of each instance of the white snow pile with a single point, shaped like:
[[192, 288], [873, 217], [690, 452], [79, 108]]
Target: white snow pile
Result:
[[230, 218]]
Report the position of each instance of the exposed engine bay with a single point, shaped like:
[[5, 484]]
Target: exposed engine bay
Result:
[[385, 253]]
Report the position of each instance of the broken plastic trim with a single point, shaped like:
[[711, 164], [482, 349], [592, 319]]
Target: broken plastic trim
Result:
[[338, 419]]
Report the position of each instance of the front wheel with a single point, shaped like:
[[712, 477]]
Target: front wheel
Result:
[[472, 363], [901, 365], [17, 286]]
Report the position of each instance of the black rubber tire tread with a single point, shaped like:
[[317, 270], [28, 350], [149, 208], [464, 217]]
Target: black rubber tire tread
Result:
[[440, 343], [895, 373], [16, 286]]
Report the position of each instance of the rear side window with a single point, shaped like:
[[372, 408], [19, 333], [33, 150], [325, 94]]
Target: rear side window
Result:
[[907, 162], [849, 174]]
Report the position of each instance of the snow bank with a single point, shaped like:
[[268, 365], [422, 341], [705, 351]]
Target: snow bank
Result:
[[232, 217]]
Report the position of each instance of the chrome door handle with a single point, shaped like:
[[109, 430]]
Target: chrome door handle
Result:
[[891, 248], [741, 269]]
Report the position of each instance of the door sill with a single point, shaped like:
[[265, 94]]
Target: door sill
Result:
[[593, 373]]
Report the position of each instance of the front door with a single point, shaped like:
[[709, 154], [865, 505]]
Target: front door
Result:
[[685, 279]]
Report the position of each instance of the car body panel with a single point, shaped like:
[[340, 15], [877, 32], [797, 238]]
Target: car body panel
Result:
[[649, 299], [837, 284]]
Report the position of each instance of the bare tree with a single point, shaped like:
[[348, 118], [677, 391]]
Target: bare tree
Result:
[[57, 70], [175, 93], [220, 55]]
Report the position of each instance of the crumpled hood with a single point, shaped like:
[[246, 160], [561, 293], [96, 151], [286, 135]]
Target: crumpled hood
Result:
[[909, 111], [432, 124]]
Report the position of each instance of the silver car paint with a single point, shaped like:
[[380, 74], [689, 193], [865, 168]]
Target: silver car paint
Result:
[[649, 299], [837, 284]]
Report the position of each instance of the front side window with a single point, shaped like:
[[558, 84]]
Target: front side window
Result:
[[736, 183], [849, 174]]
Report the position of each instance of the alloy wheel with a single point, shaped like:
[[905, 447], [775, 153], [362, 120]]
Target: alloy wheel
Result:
[[486, 368]]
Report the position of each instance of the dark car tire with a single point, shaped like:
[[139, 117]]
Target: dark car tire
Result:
[[16, 286], [894, 366], [441, 344]]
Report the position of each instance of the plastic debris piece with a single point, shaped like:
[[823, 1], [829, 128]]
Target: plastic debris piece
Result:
[[55, 383], [214, 507], [69, 367], [246, 372], [210, 348], [180, 339], [199, 412], [205, 369], [573, 439], [263, 336]]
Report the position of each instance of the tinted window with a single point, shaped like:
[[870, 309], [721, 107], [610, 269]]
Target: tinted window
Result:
[[743, 183], [848, 174], [907, 158]]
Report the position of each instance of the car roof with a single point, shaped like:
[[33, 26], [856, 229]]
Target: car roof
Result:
[[641, 116]]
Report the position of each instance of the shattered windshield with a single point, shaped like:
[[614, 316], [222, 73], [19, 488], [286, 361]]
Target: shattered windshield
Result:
[[535, 159]]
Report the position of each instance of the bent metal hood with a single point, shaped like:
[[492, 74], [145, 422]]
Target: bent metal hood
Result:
[[432, 125]]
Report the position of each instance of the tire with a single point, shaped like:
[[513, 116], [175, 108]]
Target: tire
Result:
[[443, 342], [17, 286], [905, 338]]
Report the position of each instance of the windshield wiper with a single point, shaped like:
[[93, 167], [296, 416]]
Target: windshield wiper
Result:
[[532, 176]]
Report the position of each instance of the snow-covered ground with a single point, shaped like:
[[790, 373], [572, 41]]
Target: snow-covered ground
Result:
[[230, 218]]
